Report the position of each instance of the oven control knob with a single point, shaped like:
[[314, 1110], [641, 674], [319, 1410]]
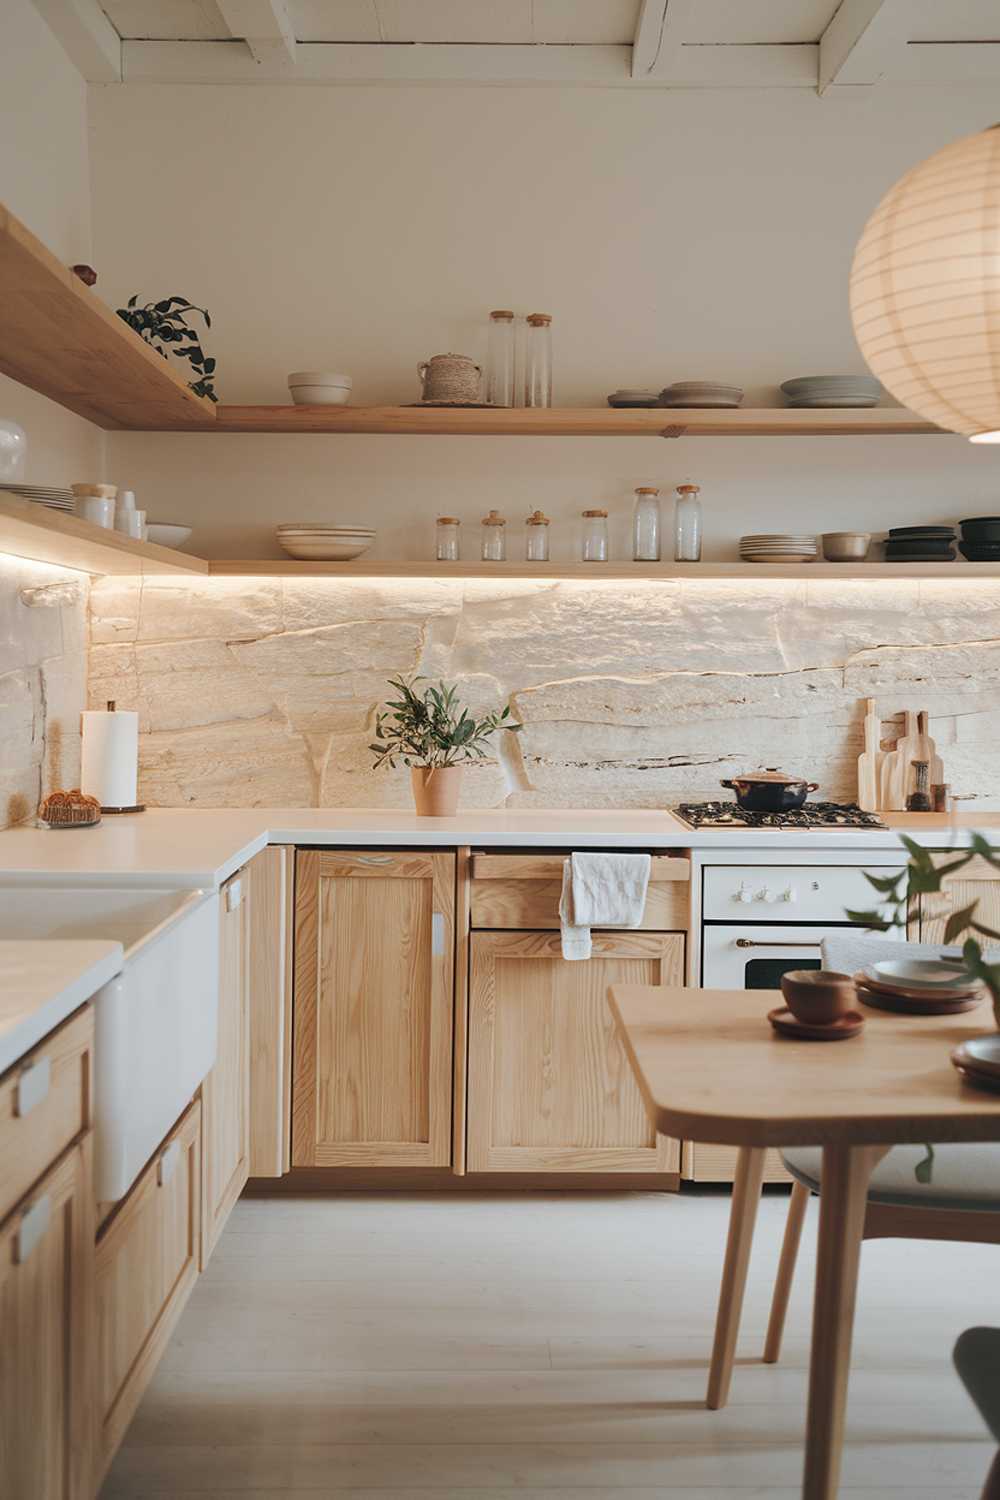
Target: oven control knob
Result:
[[743, 895], [789, 894], [769, 896]]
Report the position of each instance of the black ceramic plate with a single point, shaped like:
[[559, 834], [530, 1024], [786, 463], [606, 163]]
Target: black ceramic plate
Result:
[[908, 557], [942, 547], [903, 532]]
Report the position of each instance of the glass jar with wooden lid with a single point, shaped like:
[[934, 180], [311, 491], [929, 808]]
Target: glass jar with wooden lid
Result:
[[595, 536], [494, 537], [536, 537], [447, 538]]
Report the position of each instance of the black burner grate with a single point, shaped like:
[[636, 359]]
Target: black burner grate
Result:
[[812, 815]]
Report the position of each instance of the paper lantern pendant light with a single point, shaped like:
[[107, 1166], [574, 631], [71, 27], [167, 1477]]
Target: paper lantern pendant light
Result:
[[925, 288]]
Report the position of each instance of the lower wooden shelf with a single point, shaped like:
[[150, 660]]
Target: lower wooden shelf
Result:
[[630, 571], [40, 534]]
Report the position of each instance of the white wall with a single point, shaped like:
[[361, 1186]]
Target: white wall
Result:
[[671, 235], [45, 182]]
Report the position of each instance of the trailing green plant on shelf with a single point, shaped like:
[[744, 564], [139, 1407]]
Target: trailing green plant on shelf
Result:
[[163, 325], [922, 877], [431, 729]]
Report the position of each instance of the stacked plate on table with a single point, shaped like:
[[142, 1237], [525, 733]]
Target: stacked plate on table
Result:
[[778, 547], [978, 1061], [832, 390], [627, 397], [918, 986], [313, 542], [981, 539], [55, 499], [921, 544], [707, 394]]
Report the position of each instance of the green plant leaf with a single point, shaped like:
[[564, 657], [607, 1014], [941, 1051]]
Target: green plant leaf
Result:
[[959, 922]]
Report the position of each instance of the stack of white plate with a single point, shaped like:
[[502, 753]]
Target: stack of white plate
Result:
[[832, 390], [41, 494], [314, 542], [701, 393], [778, 547]]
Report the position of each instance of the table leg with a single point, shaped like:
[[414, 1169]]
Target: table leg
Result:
[[786, 1271], [843, 1196], [742, 1217]]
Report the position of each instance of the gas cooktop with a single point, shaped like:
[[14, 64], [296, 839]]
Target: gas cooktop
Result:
[[811, 815]]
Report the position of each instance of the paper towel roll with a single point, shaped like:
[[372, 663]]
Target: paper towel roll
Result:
[[109, 756]]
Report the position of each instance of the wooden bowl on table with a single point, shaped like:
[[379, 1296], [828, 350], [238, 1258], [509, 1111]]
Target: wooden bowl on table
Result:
[[818, 997]]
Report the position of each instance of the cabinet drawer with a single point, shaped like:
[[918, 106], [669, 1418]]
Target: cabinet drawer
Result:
[[522, 890], [147, 1263], [44, 1105]]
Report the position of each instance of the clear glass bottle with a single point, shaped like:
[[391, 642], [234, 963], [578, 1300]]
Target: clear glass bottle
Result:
[[646, 524], [447, 538], [536, 537], [538, 360], [494, 538], [500, 359], [595, 536], [687, 524]]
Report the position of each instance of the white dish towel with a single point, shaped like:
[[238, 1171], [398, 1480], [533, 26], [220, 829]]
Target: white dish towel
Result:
[[600, 890]]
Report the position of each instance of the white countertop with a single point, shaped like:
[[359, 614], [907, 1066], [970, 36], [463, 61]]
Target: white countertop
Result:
[[204, 846], [43, 983]]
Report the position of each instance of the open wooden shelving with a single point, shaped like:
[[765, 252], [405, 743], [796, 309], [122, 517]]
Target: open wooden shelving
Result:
[[58, 337], [634, 572], [40, 534]]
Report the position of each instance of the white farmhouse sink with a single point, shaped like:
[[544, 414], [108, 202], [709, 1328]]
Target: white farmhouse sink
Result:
[[156, 1022]]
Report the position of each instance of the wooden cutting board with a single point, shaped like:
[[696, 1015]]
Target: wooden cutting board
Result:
[[868, 760], [928, 751]]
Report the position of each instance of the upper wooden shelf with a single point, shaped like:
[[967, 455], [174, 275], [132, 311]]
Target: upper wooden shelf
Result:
[[59, 338], [40, 534], [630, 571], [570, 421]]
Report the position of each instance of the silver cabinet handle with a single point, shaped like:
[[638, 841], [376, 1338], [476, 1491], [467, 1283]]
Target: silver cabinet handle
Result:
[[234, 894], [774, 943], [167, 1164], [32, 1086], [437, 933], [34, 1222]]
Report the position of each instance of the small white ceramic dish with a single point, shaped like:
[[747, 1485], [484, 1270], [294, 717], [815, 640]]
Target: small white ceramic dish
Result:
[[320, 388], [929, 973], [166, 534], [327, 550]]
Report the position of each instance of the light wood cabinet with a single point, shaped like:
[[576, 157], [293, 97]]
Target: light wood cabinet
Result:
[[550, 1088], [147, 1263], [225, 1092], [374, 985], [45, 1104], [268, 892], [978, 882], [46, 1337]]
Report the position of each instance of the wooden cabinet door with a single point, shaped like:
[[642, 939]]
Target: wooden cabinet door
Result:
[[46, 1338], [374, 985], [225, 1092], [550, 1087], [979, 882]]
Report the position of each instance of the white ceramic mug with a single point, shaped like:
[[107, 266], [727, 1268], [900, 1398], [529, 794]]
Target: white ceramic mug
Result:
[[99, 510]]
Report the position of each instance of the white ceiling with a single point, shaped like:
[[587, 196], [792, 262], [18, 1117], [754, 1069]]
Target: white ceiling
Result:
[[666, 43]]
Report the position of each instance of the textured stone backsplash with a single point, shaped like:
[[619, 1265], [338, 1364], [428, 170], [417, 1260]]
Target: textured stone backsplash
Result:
[[263, 692], [43, 682]]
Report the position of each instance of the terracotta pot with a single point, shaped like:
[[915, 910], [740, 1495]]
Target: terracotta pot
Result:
[[436, 790]]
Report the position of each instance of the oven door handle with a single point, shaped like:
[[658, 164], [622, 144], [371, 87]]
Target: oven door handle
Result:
[[774, 943]]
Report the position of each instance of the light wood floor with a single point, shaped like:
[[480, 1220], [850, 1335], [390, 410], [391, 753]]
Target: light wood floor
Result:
[[537, 1346]]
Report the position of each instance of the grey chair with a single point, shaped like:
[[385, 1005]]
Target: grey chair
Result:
[[977, 1360]]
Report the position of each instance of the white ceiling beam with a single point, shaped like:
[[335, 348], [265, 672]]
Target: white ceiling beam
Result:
[[87, 37], [949, 62], [863, 41], [696, 67], [657, 46], [267, 30]]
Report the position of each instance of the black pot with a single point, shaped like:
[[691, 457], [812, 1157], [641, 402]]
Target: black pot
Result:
[[770, 792]]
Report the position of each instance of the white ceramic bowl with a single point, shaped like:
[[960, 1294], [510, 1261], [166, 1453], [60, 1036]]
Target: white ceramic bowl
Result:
[[320, 388], [327, 550], [925, 973], [166, 534]]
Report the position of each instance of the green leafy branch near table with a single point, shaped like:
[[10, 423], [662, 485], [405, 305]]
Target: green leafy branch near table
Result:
[[922, 877], [431, 728]]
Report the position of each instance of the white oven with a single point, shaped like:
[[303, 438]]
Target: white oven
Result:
[[760, 920]]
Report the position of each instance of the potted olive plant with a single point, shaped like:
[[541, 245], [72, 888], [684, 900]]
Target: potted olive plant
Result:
[[921, 876], [432, 733]]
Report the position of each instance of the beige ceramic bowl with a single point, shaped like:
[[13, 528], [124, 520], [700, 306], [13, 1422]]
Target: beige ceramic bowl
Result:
[[846, 546]]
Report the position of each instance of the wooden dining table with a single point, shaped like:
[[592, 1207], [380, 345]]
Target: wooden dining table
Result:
[[711, 1068]]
